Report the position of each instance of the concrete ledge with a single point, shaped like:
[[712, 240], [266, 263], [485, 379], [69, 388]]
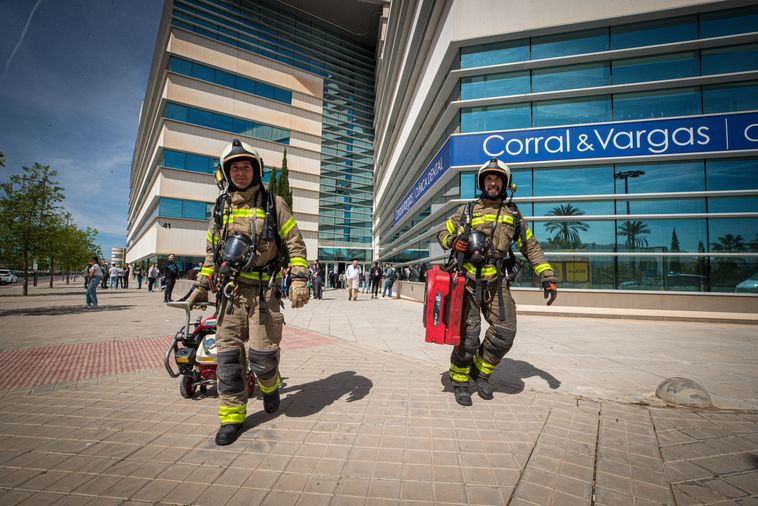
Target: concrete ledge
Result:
[[716, 308]]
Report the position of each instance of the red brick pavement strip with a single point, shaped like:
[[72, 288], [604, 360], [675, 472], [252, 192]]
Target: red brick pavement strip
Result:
[[73, 362]]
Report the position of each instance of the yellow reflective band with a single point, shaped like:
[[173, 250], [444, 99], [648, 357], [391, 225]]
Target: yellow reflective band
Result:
[[459, 378], [255, 277], [298, 261], [211, 237], [207, 271], [484, 367], [268, 390], [243, 213], [450, 226], [232, 415], [490, 218], [529, 234], [182, 360], [539, 269], [486, 271], [444, 241], [461, 370], [288, 225]]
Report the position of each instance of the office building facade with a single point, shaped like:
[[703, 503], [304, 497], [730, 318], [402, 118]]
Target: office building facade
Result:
[[630, 127], [279, 79]]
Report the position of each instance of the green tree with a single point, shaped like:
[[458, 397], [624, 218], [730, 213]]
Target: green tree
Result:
[[29, 204], [273, 184], [675, 264], [2, 159], [729, 242], [633, 230], [566, 231], [283, 188]]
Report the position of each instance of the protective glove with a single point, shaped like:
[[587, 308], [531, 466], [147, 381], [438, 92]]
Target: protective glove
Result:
[[299, 293], [198, 295], [460, 244], [550, 288]]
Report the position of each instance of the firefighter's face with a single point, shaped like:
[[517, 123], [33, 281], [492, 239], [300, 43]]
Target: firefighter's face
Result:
[[241, 173], [492, 185]]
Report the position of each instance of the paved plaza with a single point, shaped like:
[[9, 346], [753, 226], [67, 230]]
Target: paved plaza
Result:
[[88, 415]]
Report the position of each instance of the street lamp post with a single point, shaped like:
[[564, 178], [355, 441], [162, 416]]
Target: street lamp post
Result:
[[625, 175]]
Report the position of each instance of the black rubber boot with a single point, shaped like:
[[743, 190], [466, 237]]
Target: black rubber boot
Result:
[[462, 395], [271, 401], [484, 388], [228, 434]]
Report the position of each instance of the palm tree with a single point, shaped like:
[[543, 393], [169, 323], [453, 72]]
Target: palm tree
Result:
[[729, 242], [632, 230], [566, 232]]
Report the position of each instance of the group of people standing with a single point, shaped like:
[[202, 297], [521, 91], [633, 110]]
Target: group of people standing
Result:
[[112, 276], [373, 279]]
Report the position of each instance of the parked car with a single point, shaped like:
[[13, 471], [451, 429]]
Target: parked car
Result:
[[7, 277], [750, 285]]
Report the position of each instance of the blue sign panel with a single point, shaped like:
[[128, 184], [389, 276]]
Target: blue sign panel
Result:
[[690, 135], [431, 175], [698, 134]]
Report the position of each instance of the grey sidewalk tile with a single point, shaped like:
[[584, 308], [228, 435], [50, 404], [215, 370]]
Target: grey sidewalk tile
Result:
[[215, 495], [184, 493], [9, 497], [247, 496], [291, 482], [308, 499]]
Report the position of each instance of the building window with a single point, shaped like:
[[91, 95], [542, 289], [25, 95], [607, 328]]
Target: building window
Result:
[[656, 68], [495, 85], [730, 59], [565, 44], [218, 121], [730, 97], [496, 117], [660, 31], [494, 54], [656, 104], [223, 78], [184, 209], [732, 174], [717, 24], [571, 76], [572, 110]]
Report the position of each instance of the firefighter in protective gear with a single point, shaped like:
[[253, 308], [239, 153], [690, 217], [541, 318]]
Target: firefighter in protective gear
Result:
[[487, 285], [256, 318]]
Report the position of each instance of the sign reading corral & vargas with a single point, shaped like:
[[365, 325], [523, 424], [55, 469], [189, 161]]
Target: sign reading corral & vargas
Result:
[[674, 136]]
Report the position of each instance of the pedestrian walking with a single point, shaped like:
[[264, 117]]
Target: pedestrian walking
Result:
[[317, 276], [353, 277], [113, 274], [481, 233], [171, 272], [376, 280], [390, 275], [249, 336], [152, 275], [93, 276], [125, 278], [138, 273]]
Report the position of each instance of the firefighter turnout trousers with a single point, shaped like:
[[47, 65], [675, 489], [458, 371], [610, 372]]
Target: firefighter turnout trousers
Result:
[[237, 329], [498, 339]]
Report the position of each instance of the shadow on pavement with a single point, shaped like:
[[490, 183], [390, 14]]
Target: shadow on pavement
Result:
[[17, 293], [509, 377], [61, 310], [310, 398], [512, 373]]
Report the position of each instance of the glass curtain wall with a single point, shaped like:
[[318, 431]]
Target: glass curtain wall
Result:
[[346, 183], [667, 225]]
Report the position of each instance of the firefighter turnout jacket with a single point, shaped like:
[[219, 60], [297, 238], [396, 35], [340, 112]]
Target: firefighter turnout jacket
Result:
[[484, 213], [238, 218]]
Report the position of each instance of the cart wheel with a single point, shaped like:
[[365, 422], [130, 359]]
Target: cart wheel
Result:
[[250, 384], [187, 387]]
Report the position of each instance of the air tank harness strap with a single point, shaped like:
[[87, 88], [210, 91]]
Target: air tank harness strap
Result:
[[498, 267]]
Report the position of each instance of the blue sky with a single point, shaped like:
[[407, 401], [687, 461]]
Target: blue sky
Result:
[[70, 91]]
